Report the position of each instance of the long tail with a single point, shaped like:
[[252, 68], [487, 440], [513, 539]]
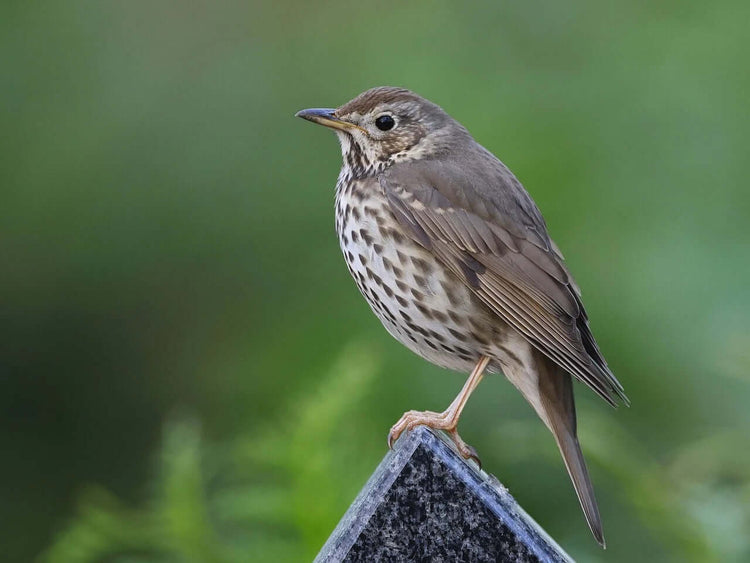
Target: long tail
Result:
[[556, 400], [551, 395]]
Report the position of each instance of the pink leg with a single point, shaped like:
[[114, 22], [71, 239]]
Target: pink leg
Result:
[[446, 420]]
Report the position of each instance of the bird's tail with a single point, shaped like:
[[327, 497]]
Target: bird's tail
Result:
[[558, 411], [576, 466]]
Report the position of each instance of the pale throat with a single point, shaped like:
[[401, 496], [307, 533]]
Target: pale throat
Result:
[[360, 159]]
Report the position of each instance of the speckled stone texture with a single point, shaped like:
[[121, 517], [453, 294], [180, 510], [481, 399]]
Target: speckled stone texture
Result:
[[425, 503]]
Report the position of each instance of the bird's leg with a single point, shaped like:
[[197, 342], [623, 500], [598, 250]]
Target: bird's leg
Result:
[[446, 420]]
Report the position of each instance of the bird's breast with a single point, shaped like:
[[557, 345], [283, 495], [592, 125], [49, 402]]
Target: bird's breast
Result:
[[420, 302]]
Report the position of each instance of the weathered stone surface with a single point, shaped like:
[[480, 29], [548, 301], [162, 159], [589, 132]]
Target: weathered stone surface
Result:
[[425, 503]]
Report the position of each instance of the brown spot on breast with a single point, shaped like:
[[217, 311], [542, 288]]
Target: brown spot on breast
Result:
[[373, 276], [480, 338], [458, 335], [476, 325], [387, 313], [424, 310], [397, 237], [420, 281], [366, 237], [439, 316], [449, 292], [417, 328], [437, 336], [421, 264]]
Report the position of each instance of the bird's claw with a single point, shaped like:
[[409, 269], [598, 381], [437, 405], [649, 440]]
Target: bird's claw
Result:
[[466, 451], [437, 421], [408, 421]]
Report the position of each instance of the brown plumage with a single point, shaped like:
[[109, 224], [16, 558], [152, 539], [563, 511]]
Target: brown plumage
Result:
[[453, 256]]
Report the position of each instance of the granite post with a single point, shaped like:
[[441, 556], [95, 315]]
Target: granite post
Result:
[[426, 503]]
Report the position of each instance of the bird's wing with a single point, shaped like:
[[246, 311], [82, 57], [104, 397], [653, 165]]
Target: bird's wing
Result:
[[477, 219]]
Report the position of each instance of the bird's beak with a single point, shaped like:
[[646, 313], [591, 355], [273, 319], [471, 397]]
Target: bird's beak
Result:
[[327, 117]]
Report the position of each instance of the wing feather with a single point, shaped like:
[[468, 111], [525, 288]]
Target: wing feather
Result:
[[487, 230]]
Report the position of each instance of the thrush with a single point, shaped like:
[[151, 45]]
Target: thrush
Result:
[[453, 257]]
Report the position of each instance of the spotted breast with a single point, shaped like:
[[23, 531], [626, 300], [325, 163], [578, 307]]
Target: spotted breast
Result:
[[419, 302]]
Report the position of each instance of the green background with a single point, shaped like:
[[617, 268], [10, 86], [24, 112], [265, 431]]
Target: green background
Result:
[[187, 373]]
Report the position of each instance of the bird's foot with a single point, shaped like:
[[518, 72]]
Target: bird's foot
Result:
[[437, 420]]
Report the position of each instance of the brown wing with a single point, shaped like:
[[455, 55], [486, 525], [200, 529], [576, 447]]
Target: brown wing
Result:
[[479, 221]]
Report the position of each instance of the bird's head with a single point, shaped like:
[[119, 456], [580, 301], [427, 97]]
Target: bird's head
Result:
[[386, 125]]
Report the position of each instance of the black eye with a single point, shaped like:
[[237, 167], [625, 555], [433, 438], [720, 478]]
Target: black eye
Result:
[[385, 122]]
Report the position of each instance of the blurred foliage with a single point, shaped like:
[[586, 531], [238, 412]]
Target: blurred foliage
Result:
[[275, 493], [166, 229]]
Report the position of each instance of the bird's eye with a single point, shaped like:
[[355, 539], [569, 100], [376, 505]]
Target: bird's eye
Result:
[[385, 122]]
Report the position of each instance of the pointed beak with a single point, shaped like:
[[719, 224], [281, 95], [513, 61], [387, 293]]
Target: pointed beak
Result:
[[325, 116]]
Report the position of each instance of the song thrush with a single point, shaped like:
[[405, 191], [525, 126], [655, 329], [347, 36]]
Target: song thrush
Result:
[[454, 258]]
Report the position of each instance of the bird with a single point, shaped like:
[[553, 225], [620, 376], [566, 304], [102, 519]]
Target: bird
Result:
[[453, 256]]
